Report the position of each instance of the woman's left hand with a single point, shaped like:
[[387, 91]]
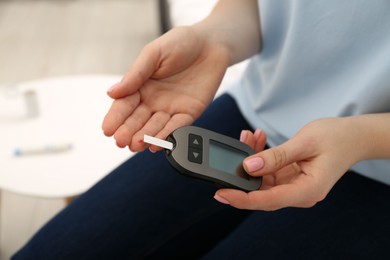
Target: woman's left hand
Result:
[[299, 172]]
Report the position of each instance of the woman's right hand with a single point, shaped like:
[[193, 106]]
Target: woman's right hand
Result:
[[169, 85]]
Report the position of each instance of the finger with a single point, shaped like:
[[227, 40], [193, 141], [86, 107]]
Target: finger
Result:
[[155, 124], [133, 124], [119, 112], [261, 140], [273, 159], [282, 196], [175, 122], [142, 69], [256, 141], [248, 138]]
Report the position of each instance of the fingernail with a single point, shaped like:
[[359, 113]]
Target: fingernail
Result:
[[243, 135], [112, 87], [220, 199], [254, 164], [257, 133]]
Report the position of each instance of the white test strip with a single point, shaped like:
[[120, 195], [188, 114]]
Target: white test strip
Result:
[[158, 142]]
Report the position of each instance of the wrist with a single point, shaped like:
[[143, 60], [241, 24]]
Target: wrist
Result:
[[215, 39], [234, 25], [372, 135]]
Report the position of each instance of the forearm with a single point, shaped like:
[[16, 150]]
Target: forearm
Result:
[[373, 135], [234, 24]]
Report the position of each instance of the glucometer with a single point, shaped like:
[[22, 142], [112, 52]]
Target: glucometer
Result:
[[210, 156]]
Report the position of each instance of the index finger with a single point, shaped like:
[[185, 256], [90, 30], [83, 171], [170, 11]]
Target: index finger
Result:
[[281, 196], [119, 111]]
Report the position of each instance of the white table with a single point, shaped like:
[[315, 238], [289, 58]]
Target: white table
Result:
[[71, 111]]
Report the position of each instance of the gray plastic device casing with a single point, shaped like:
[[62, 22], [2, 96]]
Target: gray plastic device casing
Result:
[[179, 159]]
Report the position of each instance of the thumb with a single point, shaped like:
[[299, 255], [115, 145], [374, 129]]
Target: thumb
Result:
[[141, 70], [273, 159]]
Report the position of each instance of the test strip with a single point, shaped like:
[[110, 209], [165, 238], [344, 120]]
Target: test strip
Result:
[[158, 142]]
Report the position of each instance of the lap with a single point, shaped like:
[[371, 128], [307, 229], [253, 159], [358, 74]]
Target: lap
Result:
[[351, 223]]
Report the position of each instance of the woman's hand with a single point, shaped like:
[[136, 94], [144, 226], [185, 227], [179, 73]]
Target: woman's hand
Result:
[[300, 172], [169, 85]]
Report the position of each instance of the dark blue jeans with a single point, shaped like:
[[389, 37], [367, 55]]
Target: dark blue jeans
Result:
[[146, 210]]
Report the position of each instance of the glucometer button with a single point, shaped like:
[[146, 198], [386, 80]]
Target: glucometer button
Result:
[[195, 141], [195, 149], [195, 155]]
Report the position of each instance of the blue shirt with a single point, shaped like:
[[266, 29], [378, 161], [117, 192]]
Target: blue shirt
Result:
[[319, 59]]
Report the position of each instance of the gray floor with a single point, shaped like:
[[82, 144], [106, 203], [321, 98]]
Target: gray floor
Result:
[[44, 38]]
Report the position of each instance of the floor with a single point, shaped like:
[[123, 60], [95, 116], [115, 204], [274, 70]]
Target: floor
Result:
[[44, 38]]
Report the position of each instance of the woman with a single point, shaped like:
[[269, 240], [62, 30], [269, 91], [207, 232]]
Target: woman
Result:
[[317, 86]]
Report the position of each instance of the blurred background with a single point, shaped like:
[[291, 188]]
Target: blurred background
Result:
[[50, 38], [43, 38]]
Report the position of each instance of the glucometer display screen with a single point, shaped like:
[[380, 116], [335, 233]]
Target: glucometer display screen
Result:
[[225, 158]]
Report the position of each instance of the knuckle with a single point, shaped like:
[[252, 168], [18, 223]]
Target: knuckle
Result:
[[321, 196], [308, 204], [271, 208], [160, 119], [317, 198], [280, 157]]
